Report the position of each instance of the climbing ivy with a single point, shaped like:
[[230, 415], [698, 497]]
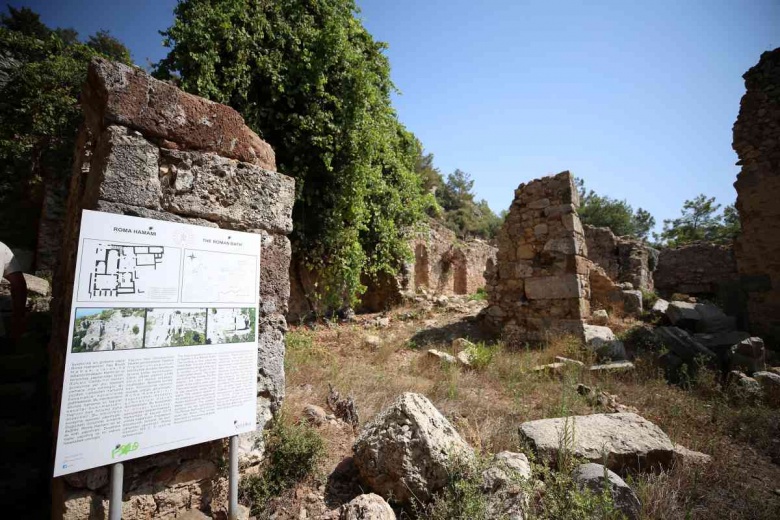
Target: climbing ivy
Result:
[[310, 80]]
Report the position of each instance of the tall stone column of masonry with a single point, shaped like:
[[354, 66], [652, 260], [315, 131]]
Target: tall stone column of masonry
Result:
[[148, 149], [757, 143], [539, 285]]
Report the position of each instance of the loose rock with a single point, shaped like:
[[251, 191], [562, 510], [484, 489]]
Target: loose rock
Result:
[[443, 356], [599, 317], [618, 366], [627, 440], [770, 386], [405, 452], [367, 507], [686, 457], [315, 415], [603, 342], [593, 476]]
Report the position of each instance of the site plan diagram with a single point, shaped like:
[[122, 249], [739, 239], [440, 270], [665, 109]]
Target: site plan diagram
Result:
[[113, 271]]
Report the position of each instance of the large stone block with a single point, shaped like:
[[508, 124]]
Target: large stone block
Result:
[[274, 273], [235, 194], [621, 441], [119, 94], [124, 169], [553, 287]]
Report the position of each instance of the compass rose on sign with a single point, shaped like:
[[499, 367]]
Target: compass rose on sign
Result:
[[191, 256]]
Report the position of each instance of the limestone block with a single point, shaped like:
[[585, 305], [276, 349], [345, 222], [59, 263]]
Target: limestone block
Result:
[[119, 94], [235, 194], [603, 342], [124, 169], [596, 478], [275, 255], [628, 441], [553, 287], [406, 450]]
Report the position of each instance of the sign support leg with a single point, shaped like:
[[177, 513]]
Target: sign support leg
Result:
[[233, 483], [115, 499]]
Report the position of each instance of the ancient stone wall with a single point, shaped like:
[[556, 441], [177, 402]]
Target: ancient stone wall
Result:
[[696, 269], [757, 143], [148, 149], [624, 259], [442, 265], [540, 285]]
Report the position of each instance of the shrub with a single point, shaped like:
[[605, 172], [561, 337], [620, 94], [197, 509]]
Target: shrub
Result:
[[480, 355], [648, 299], [480, 295], [294, 450]]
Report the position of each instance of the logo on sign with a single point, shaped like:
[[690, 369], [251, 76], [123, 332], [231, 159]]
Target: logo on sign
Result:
[[123, 449]]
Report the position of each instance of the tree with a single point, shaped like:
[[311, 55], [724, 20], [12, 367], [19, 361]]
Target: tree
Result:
[[105, 44], [617, 215], [42, 75], [309, 79], [700, 221]]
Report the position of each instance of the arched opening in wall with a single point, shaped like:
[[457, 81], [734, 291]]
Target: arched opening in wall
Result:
[[490, 266], [421, 267], [460, 275]]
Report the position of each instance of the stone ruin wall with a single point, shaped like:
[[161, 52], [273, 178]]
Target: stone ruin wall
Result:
[[697, 269], [445, 265], [148, 149], [757, 143], [540, 284], [442, 265], [624, 259]]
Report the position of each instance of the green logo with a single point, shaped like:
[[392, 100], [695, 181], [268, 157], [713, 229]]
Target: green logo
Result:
[[123, 449]]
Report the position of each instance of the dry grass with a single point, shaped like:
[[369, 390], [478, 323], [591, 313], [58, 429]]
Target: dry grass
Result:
[[487, 405]]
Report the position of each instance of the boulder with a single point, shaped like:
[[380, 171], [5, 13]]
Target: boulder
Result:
[[743, 388], [603, 342], [626, 440], [749, 355], [406, 450], [35, 286], [682, 344], [712, 319], [686, 457], [599, 317], [596, 478], [660, 307], [443, 356], [367, 507], [632, 302], [770, 386], [682, 314], [502, 481], [315, 415], [465, 357], [720, 342]]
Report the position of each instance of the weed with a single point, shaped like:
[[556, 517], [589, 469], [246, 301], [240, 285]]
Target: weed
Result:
[[648, 299], [481, 354], [481, 295], [294, 451]]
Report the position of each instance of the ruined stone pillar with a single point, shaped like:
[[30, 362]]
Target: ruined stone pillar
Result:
[[148, 149], [757, 143], [539, 286]]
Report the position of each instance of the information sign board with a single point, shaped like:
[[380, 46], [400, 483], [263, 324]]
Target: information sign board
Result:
[[162, 348]]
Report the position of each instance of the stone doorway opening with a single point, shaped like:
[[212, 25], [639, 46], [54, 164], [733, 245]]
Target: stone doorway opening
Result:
[[421, 267], [461, 278]]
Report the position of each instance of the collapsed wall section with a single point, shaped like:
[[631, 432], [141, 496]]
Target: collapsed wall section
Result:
[[757, 143], [697, 269], [147, 149], [540, 283]]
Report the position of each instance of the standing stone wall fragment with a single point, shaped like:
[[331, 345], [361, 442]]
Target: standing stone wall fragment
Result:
[[540, 284], [147, 149], [757, 143]]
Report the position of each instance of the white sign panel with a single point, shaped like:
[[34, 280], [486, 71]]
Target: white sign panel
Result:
[[162, 349]]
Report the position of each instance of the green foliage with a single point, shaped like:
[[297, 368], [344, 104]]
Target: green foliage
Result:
[[564, 500], [103, 43], [309, 78], [457, 207], [648, 299], [481, 295], [294, 450], [481, 354], [700, 221], [617, 215], [40, 79], [462, 497], [136, 330]]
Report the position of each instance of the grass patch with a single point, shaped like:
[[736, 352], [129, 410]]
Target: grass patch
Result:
[[480, 296]]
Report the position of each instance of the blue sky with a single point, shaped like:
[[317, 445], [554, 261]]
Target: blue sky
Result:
[[637, 98]]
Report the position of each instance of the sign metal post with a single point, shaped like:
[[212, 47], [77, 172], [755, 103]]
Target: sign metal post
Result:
[[115, 499], [233, 483]]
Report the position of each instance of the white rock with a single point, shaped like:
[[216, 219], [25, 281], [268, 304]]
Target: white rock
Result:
[[603, 342], [406, 450], [443, 356], [627, 440], [367, 507], [599, 317]]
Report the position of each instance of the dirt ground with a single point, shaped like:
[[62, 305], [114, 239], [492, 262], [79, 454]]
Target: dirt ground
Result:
[[487, 405]]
